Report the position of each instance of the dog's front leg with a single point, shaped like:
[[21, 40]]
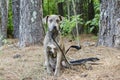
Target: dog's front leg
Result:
[[58, 64], [47, 64]]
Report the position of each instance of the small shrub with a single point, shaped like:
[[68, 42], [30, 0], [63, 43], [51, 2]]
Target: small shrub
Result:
[[4, 41], [92, 26], [10, 20], [68, 25]]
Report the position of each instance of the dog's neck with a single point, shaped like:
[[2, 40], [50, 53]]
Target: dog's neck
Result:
[[54, 34]]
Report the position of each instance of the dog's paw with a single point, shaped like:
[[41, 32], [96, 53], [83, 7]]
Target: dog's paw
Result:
[[57, 73], [49, 71]]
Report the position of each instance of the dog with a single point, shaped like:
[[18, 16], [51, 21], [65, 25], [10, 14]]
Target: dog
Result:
[[54, 49], [53, 56]]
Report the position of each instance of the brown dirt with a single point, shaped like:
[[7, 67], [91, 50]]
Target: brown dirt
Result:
[[27, 63]]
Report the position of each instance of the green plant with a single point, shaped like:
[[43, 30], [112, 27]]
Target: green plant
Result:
[[49, 7], [92, 26], [68, 25], [10, 19], [4, 41]]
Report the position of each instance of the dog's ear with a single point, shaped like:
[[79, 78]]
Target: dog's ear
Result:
[[61, 18], [45, 19]]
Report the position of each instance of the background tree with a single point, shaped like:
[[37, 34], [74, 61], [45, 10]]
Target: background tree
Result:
[[0, 26], [60, 8], [3, 19], [16, 17], [31, 30], [109, 32], [79, 9], [91, 12], [85, 8], [74, 6], [50, 7]]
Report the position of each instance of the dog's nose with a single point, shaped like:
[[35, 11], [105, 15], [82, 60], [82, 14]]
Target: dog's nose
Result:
[[54, 27]]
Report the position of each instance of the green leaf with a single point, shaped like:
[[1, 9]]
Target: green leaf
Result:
[[88, 22], [91, 29]]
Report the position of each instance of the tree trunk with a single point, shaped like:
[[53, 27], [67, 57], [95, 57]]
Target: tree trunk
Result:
[[75, 14], [79, 7], [68, 8], [0, 26], [31, 30], [60, 8], [3, 20], [16, 17], [91, 11], [79, 11], [109, 31]]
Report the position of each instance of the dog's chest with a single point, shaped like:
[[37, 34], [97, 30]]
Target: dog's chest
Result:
[[52, 62], [52, 55]]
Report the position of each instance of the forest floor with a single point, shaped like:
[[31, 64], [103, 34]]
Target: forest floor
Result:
[[27, 63]]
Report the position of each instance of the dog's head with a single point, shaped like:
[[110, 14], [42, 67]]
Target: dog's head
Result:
[[53, 22]]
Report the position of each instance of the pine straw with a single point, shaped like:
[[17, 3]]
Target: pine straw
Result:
[[29, 64]]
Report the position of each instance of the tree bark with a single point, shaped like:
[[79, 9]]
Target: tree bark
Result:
[[3, 20], [75, 14], [68, 8], [109, 31], [91, 11], [60, 8], [79, 11], [0, 26], [16, 17], [80, 6], [31, 30]]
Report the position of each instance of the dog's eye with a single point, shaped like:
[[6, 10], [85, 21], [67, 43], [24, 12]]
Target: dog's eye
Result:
[[50, 20], [57, 21]]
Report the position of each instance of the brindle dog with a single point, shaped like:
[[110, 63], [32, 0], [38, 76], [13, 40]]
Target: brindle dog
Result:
[[53, 56]]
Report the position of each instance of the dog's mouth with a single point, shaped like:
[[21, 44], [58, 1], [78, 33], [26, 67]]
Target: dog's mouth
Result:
[[54, 32], [53, 28]]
